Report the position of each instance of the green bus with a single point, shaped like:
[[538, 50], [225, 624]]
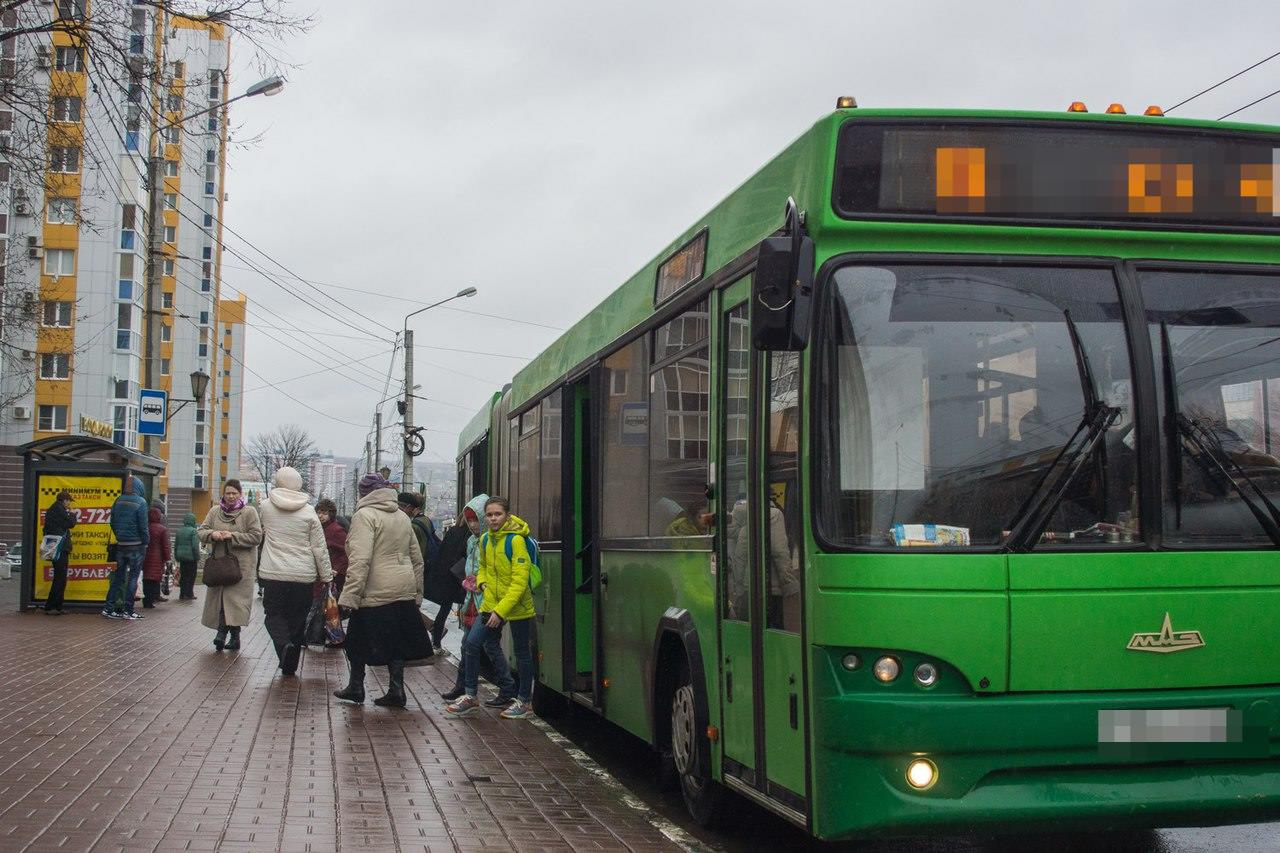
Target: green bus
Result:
[[930, 479]]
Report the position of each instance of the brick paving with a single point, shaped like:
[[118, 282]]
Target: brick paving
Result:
[[134, 736]]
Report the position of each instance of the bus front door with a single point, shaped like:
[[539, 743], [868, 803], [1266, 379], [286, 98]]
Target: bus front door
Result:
[[581, 629]]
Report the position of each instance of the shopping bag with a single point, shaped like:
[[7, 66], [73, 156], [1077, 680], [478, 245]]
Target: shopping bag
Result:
[[166, 579], [50, 545], [333, 621]]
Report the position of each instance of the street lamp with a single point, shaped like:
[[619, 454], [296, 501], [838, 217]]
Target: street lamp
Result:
[[155, 231], [199, 385], [409, 450]]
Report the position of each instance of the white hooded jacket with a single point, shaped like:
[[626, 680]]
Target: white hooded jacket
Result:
[[293, 546]]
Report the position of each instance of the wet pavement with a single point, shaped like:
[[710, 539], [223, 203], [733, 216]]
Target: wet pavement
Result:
[[137, 736]]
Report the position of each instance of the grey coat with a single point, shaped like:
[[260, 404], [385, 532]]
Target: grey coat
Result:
[[235, 602]]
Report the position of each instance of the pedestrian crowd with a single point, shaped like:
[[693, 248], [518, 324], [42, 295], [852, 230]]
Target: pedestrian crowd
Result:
[[378, 566]]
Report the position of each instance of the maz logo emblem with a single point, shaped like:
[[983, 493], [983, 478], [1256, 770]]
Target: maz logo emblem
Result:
[[1166, 640]]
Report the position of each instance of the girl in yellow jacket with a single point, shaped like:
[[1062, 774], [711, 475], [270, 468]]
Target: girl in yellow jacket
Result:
[[503, 578]]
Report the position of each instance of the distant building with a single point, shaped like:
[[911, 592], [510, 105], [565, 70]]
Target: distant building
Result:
[[329, 478]]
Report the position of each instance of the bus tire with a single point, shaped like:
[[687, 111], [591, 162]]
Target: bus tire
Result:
[[702, 794]]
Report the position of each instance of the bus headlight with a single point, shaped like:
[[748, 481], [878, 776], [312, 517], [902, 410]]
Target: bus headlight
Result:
[[886, 669], [851, 662], [921, 774], [926, 675]]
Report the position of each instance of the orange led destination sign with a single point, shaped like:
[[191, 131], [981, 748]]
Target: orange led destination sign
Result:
[[1039, 172]]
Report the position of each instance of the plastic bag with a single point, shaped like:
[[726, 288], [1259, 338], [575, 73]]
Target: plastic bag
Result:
[[315, 634], [333, 621]]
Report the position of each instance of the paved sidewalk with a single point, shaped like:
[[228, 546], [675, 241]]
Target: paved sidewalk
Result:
[[140, 736]]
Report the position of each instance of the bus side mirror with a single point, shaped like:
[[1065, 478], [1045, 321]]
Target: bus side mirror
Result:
[[782, 291]]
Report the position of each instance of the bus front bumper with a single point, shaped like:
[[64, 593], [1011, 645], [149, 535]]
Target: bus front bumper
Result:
[[1026, 761]]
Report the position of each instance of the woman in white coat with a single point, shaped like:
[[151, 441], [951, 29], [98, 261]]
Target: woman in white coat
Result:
[[294, 559]]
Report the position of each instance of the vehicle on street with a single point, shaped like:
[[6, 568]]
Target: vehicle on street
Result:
[[929, 481]]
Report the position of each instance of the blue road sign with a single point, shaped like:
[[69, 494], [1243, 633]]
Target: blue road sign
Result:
[[153, 411]]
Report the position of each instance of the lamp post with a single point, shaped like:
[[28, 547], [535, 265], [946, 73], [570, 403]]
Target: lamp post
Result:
[[406, 475], [155, 230], [199, 385]]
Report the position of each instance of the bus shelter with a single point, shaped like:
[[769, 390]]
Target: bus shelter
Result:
[[93, 471]]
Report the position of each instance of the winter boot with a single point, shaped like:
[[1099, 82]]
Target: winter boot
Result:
[[354, 691], [220, 638], [394, 697], [233, 639]]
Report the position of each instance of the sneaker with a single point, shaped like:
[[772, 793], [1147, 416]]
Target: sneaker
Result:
[[108, 612], [134, 616], [499, 701], [455, 693], [518, 711], [462, 707]]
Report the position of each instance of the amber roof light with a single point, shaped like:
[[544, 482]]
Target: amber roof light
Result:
[[1077, 107], [1116, 110], [846, 102], [1153, 110]]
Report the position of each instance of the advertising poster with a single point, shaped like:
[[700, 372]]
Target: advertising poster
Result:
[[88, 570]]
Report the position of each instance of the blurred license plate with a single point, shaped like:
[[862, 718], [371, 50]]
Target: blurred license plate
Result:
[[1185, 725]]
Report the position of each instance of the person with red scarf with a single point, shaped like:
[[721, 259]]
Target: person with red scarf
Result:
[[158, 554], [335, 538]]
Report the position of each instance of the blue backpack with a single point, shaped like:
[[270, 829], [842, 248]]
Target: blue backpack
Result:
[[531, 545], [433, 541]]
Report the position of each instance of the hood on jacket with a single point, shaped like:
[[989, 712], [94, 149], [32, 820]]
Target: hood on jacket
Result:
[[288, 478], [154, 515], [139, 489], [379, 499], [476, 505], [288, 500], [189, 520]]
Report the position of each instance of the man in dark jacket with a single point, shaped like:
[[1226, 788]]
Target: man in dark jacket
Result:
[[429, 543], [58, 521], [130, 525]]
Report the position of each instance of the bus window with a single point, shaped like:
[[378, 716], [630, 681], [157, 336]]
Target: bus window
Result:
[[679, 415], [782, 523], [625, 443], [734, 486], [1216, 338], [549, 523], [950, 392]]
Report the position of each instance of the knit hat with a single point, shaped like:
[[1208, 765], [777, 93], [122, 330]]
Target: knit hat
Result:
[[412, 499], [288, 478], [371, 483]]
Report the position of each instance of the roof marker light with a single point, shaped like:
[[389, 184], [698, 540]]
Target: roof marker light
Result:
[[1077, 107], [846, 102], [1116, 110], [1153, 110]]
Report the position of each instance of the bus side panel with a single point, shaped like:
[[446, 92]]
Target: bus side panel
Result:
[[547, 601], [641, 586]]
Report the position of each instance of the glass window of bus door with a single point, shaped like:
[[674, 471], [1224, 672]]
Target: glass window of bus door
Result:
[[624, 487], [782, 525], [734, 489], [1216, 339], [955, 393], [680, 428]]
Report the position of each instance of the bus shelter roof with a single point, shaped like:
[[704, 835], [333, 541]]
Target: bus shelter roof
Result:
[[77, 448]]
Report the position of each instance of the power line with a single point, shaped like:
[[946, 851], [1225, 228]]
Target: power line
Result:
[[1222, 82], [1250, 104]]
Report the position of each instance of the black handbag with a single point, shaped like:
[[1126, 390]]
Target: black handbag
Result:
[[222, 569], [459, 569], [112, 552]]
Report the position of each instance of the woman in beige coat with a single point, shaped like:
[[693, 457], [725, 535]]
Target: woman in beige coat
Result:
[[227, 608], [384, 591]]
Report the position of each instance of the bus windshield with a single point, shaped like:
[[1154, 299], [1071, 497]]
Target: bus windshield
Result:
[[956, 394], [1217, 350]]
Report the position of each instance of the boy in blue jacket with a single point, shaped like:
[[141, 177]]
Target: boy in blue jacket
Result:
[[131, 527]]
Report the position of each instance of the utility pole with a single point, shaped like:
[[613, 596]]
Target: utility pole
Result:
[[407, 459], [368, 458], [377, 440], [154, 246]]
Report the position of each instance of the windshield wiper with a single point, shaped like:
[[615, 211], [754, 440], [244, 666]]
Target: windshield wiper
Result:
[[1216, 462], [1035, 512]]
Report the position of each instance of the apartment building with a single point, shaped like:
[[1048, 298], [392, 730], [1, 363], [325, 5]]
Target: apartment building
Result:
[[78, 245]]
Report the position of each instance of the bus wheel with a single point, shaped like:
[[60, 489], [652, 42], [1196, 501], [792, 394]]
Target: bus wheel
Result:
[[702, 795]]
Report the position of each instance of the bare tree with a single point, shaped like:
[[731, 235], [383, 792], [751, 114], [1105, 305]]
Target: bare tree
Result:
[[285, 446]]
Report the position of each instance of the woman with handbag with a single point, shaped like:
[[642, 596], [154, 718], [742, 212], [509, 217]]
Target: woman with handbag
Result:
[[383, 593], [233, 530], [58, 521]]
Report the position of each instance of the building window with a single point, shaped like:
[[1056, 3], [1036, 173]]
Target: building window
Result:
[[166, 333], [208, 188], [164, 367], [173, 103], [124, 327], [208, 252], [64, 159], [62, 211], [170, 201], [213, 123], [204, 318], [171, 135], [203, 351], [68, 9], [68, 59], [166, 300], [215, 88], [127, 239], [171, 168], [66, 108], [211, 156], [53, 419], [59, 262], [205, 285], [55, 365], [57, 315], [177, 70], [168, 266], [208, 220], [126, 290], [171, 233]]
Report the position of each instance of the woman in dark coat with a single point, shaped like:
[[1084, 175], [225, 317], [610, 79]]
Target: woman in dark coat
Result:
[[58, 521], [158, 554], [442, 585]]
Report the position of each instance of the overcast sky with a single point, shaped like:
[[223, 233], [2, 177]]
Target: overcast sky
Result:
[[542, 152]]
